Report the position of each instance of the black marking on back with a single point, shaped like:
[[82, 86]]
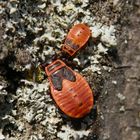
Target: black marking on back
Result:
[[75, 47], [69, 42], [59, 75]]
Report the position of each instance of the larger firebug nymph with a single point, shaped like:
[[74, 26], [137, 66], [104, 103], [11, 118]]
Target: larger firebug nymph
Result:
[[69, 90], [76, 38]]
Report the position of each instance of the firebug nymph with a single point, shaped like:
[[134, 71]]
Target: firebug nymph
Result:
[[69, 89], [76, 38]]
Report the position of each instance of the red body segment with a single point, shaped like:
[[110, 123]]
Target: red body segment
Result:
[[69, 89], [76, 38]]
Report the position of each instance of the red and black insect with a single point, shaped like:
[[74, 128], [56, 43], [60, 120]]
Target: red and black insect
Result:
[[76, 38], [69, 89]]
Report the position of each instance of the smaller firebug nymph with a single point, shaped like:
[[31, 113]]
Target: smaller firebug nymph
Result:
[[76, 38], [69, 90]]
